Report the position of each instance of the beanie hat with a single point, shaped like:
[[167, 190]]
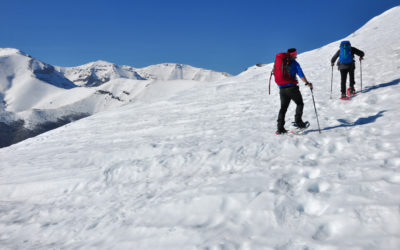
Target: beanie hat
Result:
[[292, 52]]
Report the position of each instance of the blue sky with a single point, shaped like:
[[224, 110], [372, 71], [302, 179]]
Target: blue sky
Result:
[[221, 35]]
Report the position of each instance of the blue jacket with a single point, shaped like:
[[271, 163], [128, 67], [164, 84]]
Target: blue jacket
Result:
[[294, 69]]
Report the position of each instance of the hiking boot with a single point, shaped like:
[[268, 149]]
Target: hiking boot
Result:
[[344, 96], [281, 131], [300, 124], [352, 91]]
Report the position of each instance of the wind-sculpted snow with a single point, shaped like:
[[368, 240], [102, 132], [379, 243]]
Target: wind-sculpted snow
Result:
[[202, 169]]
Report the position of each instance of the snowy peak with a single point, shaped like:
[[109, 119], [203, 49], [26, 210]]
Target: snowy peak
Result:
[[173, 71], [97, 73], [11, 51], [18, 68], [25, 81]]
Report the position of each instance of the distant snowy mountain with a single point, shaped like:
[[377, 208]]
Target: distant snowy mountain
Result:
[[35, 96], [201, 168], [25, 81], [172, 71], [100, 72], [97, 73]]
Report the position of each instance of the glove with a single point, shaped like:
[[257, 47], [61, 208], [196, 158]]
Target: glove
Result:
[[309, 84], [332, 64], [361, 58]]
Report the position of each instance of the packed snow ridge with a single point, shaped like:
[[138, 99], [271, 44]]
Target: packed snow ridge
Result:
[[201, 168]]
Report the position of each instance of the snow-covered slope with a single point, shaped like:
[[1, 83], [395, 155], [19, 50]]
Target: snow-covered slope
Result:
[[204, 170]]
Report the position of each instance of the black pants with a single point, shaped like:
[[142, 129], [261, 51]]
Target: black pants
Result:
[[343, 74], [288, 94]]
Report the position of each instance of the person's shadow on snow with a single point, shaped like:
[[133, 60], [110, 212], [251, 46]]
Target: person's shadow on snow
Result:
[[382, 85], [360, 121]]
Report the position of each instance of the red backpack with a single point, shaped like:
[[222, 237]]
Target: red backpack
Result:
[[281, 70]]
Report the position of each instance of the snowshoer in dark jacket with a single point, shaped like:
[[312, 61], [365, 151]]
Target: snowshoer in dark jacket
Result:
[[346, 65], [290, 92]]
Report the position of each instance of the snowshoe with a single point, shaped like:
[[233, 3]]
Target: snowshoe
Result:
[[281, 131], [350, 92], [301, 124], [344, 97], [299, 127]]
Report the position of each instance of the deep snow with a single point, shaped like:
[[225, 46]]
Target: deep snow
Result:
[[202, 168]]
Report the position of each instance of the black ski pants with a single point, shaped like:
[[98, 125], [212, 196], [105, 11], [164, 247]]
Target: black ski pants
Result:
[[343, 74], [288, 94]]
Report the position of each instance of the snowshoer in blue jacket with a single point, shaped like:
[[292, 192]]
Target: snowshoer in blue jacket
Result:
[[291, 91], [346, 65]]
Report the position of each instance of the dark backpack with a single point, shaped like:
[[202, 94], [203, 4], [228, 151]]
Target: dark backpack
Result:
[[345, 55]]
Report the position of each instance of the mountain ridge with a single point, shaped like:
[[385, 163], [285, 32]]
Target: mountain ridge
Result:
[[34, 94]]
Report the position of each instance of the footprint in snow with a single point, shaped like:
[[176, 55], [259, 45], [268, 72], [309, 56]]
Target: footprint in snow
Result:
[[312, 173], [315, 207], [318, 187], [323, 232]]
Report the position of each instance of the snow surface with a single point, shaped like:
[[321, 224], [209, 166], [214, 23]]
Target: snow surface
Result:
[[201, 168]]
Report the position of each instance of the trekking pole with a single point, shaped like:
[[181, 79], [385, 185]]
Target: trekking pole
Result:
[[331, 82], [361, 73], [312, 94]]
